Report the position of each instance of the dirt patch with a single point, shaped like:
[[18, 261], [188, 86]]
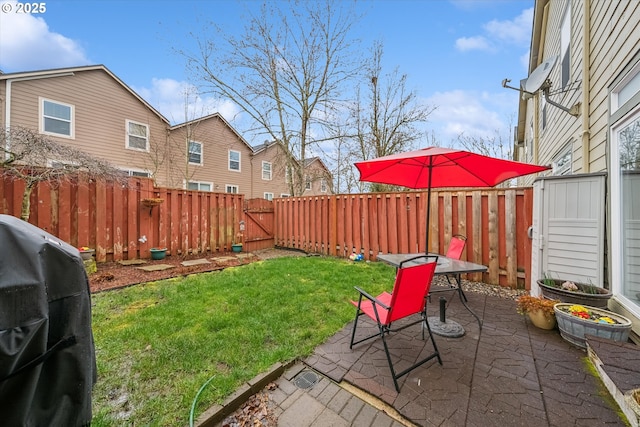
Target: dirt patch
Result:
[[113, 275]]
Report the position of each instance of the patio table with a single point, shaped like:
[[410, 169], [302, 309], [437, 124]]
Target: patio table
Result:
[[445, 267]]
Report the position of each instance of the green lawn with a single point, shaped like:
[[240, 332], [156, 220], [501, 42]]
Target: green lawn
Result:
[[158, 343]]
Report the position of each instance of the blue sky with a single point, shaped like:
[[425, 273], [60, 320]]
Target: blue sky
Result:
[[455, 52]]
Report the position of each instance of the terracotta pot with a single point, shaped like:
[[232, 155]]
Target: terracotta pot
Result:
[[542, 320]]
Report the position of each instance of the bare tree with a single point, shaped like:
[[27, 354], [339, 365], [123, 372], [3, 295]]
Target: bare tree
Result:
[[25, 154], [385, 120], [285, 71], [496, 145]]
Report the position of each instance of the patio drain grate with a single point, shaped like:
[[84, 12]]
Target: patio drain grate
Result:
[[306, 379]]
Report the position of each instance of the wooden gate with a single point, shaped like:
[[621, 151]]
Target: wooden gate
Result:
[[259, 227]]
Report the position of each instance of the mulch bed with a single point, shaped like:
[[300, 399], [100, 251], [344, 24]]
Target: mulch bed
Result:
[[113, 275]]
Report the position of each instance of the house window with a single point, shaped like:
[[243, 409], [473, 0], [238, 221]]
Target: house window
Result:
[[307, 182], [199, 186], [266, 171], [528, 146], [323, 185], [138, 173], [234, 160], [230, 188], [287, 175], [137, 136], [565, 46], [57, 118], [285, 195], [268, 196], [562, 163], [195, 153], [626, 89]]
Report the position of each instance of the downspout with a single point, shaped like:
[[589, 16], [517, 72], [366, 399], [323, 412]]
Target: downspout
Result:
[[586, 59]]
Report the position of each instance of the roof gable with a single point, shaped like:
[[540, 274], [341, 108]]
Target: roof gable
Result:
[[56, 72]]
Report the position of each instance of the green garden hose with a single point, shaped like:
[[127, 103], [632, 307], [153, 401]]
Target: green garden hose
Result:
[[195, 400]]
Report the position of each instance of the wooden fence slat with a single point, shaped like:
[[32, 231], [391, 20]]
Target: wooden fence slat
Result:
[[388, 223], [495, 222]]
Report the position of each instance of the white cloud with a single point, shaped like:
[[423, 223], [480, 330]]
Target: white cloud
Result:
[[516, 31], [472, 43], [170, 97], [497, 33], [27, 43], [469, 113]]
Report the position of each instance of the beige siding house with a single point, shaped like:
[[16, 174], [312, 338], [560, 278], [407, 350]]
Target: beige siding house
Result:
[[317, 178], [271, 179], [589, 124], [90, 109], [93, 110], [218, 158], [269, 171]]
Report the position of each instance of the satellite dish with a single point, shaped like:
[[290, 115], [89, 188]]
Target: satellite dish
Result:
[[540, 75]]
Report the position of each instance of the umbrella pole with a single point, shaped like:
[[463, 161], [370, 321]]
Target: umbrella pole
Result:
[[426, 250]]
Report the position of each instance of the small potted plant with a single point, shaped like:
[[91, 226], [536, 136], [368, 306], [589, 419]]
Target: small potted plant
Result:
[[86, 253], [539, 310], [158, 253], [236, 245]]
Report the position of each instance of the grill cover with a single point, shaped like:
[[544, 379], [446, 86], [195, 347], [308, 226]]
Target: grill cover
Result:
[[47, 355]]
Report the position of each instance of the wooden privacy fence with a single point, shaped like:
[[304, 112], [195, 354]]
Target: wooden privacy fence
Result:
[[124, 222], [495, 222]]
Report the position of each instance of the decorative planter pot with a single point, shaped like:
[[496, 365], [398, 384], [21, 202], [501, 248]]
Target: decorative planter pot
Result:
[[87, 254], [542, 320], [574, 329], [590, 295], [237, 247], [158, 253]]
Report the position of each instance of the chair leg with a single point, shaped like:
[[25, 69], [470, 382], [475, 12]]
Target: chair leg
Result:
[[393, 371], [355, 325]]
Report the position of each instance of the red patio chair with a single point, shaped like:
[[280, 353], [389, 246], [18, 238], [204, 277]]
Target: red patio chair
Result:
[[456, 246], [413, 280]]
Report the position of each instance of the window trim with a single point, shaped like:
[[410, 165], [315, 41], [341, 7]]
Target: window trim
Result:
[[565, 54], [130, 172], [229, 160], [270, 171], [209, 183], [72, 120], [127, 135], [631, 76], [201, 153], [567, 149], [616, 208], [323, 185]]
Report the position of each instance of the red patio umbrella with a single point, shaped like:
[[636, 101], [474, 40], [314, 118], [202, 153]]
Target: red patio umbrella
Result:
[[436, 167]]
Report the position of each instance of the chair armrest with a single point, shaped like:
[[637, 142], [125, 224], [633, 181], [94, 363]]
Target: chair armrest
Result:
[[372, 299]]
